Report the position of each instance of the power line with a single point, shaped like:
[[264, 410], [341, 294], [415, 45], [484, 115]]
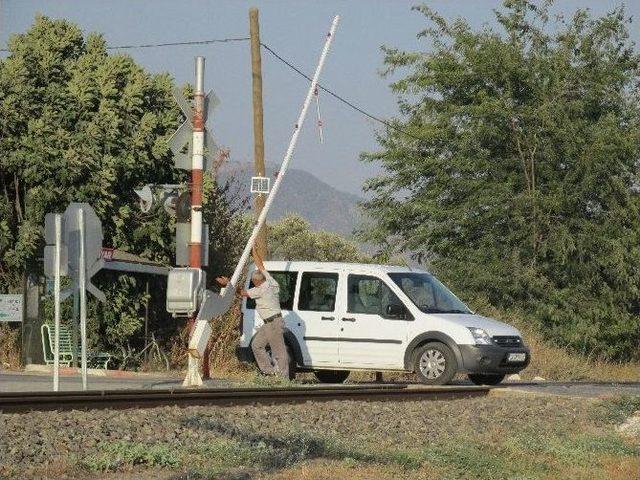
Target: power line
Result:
[[174, 44], [338, 97], [170, 44]]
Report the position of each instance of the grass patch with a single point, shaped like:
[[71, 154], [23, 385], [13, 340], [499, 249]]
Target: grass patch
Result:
[[115, 456], [467, 459], [461, 458], [241, 447], [575, 450], [535, 450], [238, 447], [616, 410]]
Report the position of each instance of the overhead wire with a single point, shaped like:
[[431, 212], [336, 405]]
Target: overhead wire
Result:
[[170, 44], [338, 97], [279, 57], [174, 44]]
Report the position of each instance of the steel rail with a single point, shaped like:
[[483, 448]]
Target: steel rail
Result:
[[22, 402]]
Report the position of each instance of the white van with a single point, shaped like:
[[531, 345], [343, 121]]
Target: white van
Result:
[[342, 316]]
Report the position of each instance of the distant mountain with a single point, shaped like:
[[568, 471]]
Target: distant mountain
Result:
[[325, 207]]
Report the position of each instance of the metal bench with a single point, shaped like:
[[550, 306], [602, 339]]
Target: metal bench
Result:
[[64, 348], [67, 353]]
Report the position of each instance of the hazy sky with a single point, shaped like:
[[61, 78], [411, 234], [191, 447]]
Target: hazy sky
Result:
[[296, 30]]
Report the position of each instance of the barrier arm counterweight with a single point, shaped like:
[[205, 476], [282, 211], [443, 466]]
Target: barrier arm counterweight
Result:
[[214, 305]]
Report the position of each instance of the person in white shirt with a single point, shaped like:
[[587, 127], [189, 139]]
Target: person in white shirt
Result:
[[266, 293]]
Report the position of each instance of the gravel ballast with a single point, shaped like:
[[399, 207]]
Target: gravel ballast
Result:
[[254, 439]]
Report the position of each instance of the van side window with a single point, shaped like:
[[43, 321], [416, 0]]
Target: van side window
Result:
[[287, 282], [318, 291], [369, 295]]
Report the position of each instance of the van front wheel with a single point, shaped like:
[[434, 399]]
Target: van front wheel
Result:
[[331, 376], [435, 364]]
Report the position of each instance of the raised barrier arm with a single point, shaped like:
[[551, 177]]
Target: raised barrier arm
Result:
[[214, 305]]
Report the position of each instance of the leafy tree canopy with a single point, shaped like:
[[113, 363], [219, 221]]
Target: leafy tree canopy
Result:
[[519, 177], [291, 238], [78, 124]]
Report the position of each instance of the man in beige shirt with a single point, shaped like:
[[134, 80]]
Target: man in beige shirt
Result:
[[266, 293]]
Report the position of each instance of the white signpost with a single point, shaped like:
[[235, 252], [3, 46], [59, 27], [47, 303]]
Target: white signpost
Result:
[[55, 266], [11, 307], [77, 233]]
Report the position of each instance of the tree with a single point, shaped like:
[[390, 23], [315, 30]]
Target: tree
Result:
[[518, 175], [291, 238], [79, 124]]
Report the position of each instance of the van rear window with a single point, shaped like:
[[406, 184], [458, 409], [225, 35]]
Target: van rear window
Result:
[[287, 282]]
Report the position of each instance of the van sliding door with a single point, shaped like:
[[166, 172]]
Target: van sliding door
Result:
[[319, 322], [369, 336]]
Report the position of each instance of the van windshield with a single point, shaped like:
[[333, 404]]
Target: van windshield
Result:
[[427, 293]]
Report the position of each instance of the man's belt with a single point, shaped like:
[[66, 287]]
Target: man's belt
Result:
[[272, 318]]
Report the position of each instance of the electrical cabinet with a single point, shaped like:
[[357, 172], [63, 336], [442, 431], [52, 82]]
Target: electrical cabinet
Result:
[[184, 286]]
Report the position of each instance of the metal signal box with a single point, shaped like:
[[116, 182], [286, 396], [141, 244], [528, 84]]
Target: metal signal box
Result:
[[184, 286]]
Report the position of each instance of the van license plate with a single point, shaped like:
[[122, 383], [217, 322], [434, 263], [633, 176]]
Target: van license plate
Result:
[[517, 357]]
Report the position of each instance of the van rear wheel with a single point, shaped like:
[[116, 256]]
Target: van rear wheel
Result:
[[485, 379], [435, 364], [331, 376]]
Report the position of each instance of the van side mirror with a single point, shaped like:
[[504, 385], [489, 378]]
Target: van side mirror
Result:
[[396, 311]]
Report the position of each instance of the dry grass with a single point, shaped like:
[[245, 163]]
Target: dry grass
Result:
[[334, 469], [554, 363], [613, 469], [9, 346]]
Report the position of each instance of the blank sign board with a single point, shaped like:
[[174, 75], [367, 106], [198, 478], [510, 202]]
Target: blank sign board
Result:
[[93, 235]]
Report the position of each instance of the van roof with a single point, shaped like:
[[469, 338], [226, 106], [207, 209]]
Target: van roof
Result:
[[312, 265]]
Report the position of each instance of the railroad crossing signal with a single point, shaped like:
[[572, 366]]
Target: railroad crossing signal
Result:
[[168, 196], [181, 142], [177, 205], [145, 198]]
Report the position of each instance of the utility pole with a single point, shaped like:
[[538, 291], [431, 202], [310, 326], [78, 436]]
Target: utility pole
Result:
[[197, 161], [258, 116], [192, 238], [197, 166]]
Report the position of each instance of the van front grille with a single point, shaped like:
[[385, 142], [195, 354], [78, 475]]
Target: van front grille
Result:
[[507, 341]]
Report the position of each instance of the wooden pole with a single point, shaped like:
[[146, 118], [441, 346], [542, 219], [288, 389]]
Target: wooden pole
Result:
[[258, 117]]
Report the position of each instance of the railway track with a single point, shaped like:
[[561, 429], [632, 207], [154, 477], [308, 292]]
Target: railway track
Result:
[[21, 402]]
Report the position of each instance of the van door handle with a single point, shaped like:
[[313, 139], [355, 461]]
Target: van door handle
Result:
[[348, 319], [327, 318]]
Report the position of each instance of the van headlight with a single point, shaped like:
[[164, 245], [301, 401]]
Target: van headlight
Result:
[[480, 336]]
